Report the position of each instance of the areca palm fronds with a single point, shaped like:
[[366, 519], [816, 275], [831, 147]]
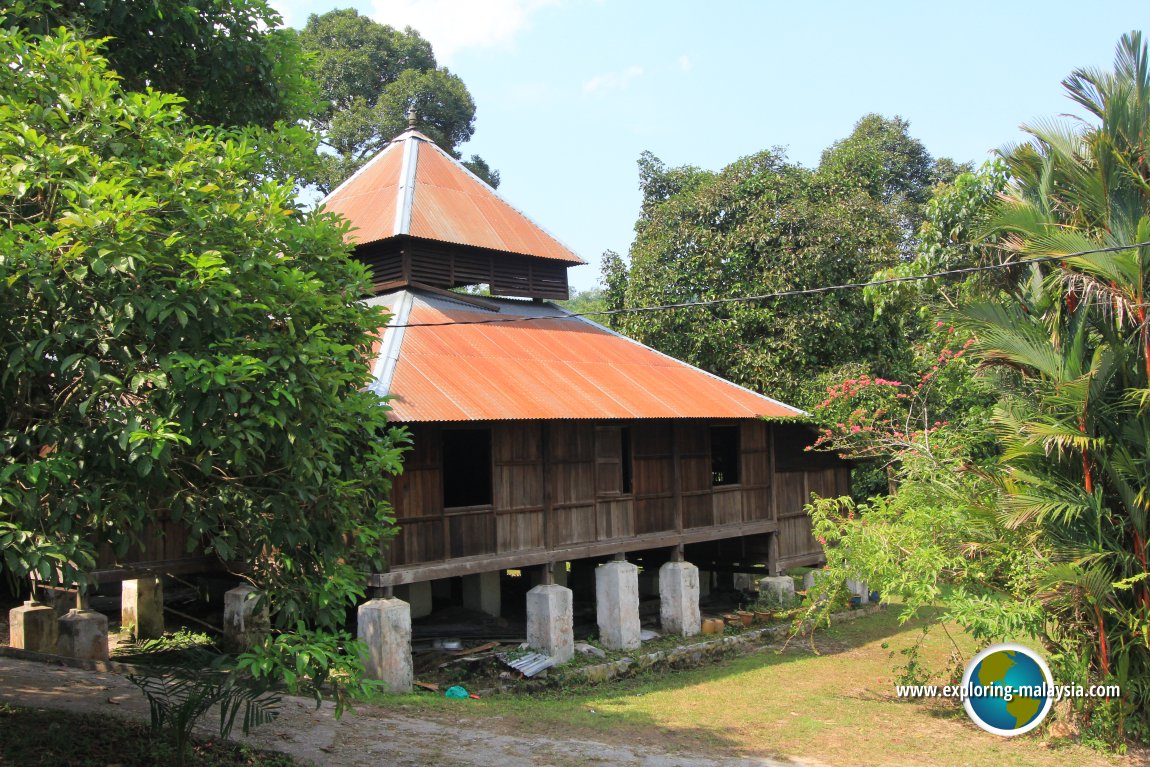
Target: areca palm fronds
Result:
[[1075, 428]]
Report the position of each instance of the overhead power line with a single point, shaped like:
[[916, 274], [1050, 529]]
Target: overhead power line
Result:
[[782, 293]]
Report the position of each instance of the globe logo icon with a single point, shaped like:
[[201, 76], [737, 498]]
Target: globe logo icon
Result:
[[1007, 689]]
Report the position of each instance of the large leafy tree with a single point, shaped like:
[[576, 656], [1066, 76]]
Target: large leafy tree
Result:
[[764, 225], [179, 340], [370, 75], [225, 57]]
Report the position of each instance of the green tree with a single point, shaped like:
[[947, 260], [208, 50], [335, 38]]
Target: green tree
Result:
[[586, 301], [369, 75], [178, 339], [225, 57], [765, 225]]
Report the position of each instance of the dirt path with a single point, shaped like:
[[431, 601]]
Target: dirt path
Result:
[[370, 736]]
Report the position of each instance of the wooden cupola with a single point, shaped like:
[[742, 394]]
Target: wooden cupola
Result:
[[420, 218]]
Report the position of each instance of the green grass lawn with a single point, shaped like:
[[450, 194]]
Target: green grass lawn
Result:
[[837, 706]]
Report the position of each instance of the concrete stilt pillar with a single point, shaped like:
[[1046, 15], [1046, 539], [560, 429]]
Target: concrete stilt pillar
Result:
[[418, 595], [59, 598], [83, 634], [679, 598], [705, 583], [550, 621], [142, 606], [32, 626], [617, 605], [858, 589], [745, 582], [482, 592], [778, 589], [648, 583], [384, 626], [246, 620]]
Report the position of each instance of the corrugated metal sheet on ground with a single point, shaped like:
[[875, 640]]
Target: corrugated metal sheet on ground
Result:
[[529, 665], [548, 369]]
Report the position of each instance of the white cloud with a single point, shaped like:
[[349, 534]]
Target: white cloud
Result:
[[685, 63], [453, 25], [612, 81]]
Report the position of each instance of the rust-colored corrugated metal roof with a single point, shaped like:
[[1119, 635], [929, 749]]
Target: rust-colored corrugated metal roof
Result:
[[552, 367], [415, 188], [368, 198]]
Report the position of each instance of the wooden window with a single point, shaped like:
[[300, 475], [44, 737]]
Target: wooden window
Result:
[[466, 467], [724, 455], [613, 458]]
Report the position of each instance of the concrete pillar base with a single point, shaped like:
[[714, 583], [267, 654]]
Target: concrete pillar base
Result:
[[679, 598], [858, 589], [550, 621], [617, 605], [778, 589], [705, 580], [246, 620], [482, 592], [746, 582], [384, 625], [648, 583], [32, 626], [83, 634], [418, 595], [142, 607]]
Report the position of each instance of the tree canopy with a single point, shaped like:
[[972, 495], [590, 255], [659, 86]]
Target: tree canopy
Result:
[[369, 75], [225, 57], [178, 340], [764, 225]]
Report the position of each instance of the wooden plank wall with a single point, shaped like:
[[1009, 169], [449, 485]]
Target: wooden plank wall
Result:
[[794, 492], [560, 484]]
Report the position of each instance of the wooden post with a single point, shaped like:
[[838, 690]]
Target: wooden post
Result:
[[545, 458], [676, 478]]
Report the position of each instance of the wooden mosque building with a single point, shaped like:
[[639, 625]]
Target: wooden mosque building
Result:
[[542, 442], [546, 440]]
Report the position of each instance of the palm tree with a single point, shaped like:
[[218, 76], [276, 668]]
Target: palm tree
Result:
[[1075, 429]]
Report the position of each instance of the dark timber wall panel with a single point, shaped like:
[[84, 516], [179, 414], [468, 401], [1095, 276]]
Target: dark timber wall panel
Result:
[[562, 486]]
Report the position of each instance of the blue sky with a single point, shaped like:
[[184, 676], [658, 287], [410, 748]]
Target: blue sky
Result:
[[570, 92]]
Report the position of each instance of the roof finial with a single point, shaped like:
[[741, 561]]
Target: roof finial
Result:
[[412, 117]]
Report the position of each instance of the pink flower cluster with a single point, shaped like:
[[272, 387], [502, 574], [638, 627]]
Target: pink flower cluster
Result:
[[883, 409]]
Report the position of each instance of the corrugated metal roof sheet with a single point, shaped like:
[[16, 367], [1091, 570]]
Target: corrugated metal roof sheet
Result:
[[552, 368], [415, 188], [530, 664]]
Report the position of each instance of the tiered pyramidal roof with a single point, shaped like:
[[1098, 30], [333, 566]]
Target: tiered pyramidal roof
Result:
[[424, 224]]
